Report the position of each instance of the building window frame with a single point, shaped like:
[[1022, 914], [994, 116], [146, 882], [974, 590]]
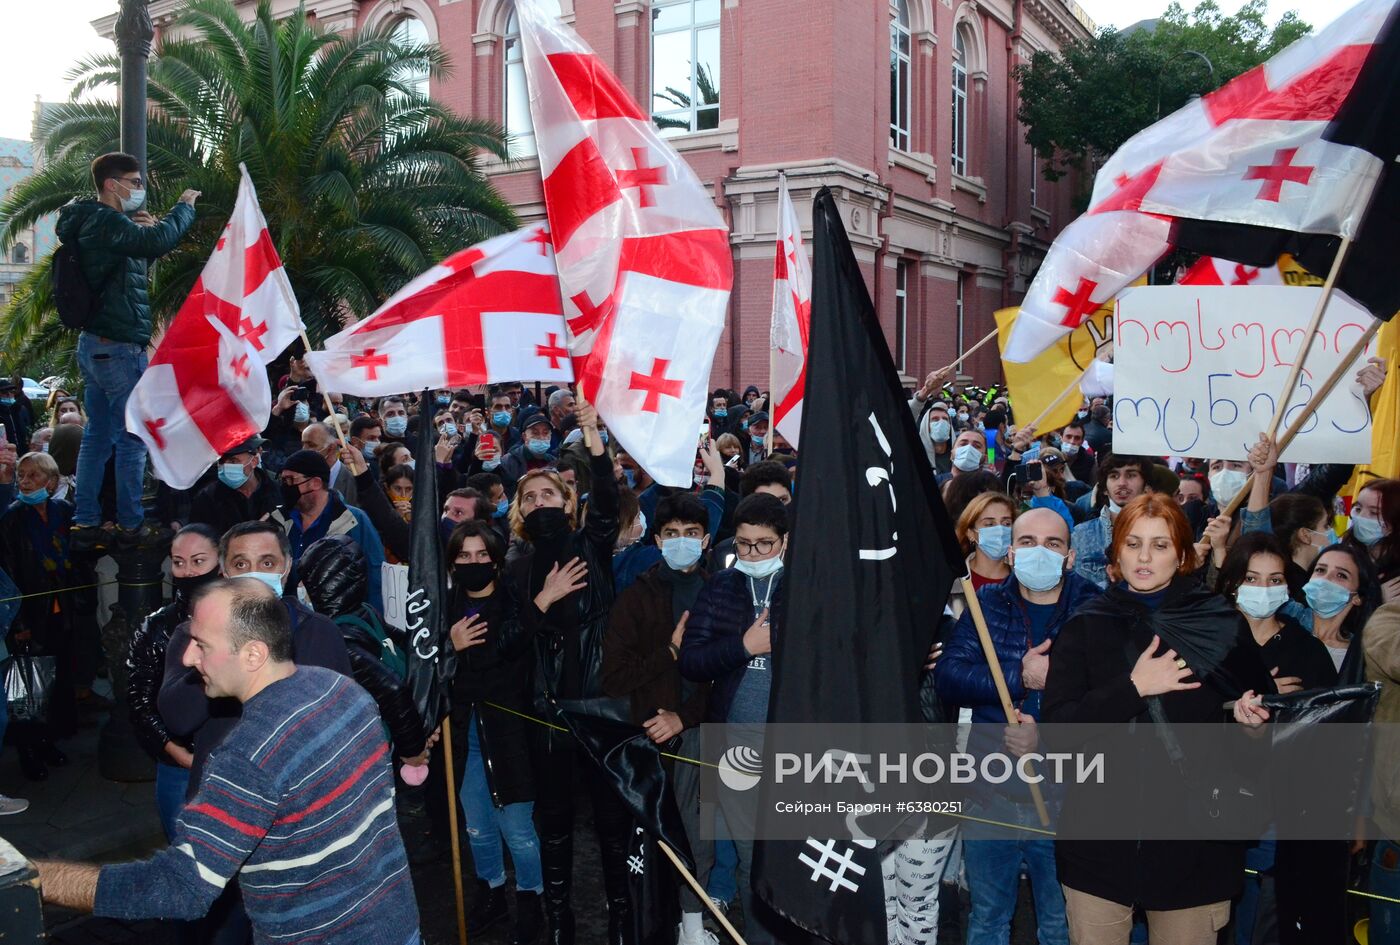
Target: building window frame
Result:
[[901, 77], [521, 132], [960, 105], [960, 310], [901, 314], [686, 113]]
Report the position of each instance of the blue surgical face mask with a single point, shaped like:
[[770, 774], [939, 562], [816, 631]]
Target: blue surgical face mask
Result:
[[538, 447], [1327, 599], [443, 400], [501, 418], [232, 475], [134, 200], [502, 508], [760, 569], [396, 426], [449, 429], [1038, 568], [7, 401], [681, 552], [272, 580], [301, 413], [412, 464], [940, 431], [1258, 601], [488, 465], [629, 476], [720, 411], [1368, 531], [994, 541], [37, 497], [369, 449], [968, 457]]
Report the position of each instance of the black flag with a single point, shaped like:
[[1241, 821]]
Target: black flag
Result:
[[871, 560], [631, 764], [431, 658]]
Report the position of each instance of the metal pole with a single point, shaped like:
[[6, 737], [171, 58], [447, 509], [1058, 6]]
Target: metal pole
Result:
[[134, 34]]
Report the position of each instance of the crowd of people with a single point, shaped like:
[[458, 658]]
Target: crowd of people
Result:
[[271, 688]]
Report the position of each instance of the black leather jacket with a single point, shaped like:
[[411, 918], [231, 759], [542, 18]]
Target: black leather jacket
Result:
[[551, 632], [335, 574], [145, 668]]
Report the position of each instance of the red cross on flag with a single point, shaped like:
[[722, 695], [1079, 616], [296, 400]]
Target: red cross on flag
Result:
[[644, 261], [1209, 270], [1281, 159], [205, 389], [487, 314], [792, 315]]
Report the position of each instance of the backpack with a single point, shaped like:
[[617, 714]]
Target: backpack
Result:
[[74, 298]]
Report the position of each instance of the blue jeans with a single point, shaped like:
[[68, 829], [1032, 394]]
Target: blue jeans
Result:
[[1385, 881], [994, 876], [722, 885], [110, 370], [487, 824], [171, 783], [1259, 858]]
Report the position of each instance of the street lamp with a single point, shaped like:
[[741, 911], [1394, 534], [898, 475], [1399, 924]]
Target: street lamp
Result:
[[1210, 70], [134, 33]]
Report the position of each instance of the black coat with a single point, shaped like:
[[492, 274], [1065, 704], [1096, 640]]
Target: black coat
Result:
[[1089, 682], [580, 620], [493, 683], [51, 632], [145, 668], [221, 508]]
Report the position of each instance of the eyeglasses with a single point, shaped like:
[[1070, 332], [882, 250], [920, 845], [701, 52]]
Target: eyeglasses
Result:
[[134, 182], [763, 546], [294, 482]]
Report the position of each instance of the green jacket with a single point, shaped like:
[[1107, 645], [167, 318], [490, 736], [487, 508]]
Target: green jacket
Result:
[[115, 254]]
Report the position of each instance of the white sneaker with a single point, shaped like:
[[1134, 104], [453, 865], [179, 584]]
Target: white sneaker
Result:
[[702, 937], [12, 805]]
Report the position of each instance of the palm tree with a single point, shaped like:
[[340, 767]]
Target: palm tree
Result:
[[364, 180], [708, 93]]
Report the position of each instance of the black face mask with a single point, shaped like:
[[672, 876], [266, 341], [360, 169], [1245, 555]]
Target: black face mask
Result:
[[473, 577], [185, 586], [545, 526], [291, 494], [1195, 512]]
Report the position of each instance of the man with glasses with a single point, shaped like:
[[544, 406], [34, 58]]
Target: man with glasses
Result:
[[310, 511], [116, 239], [728, 641]]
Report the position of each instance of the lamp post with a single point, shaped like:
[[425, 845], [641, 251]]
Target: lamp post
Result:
[[139, 577], [1210, 71]]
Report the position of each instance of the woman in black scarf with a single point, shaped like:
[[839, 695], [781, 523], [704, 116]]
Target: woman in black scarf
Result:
[[1156, 648], [564, 583]]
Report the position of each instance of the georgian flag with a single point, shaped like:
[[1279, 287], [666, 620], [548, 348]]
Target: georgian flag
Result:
[[487, 314], [644, 260], [206, 389], [1286, 157], [1209, 270], [792, 315]]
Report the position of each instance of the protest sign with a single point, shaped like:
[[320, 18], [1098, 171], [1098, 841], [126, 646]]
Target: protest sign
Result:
[[395, 584], [1198, 370]]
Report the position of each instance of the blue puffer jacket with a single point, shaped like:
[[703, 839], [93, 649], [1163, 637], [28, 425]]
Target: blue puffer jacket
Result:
[[713, 646], [962, 676]]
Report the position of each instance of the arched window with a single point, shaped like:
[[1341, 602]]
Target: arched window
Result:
[[20, 254], [516, 97], [901, 75], [410, 31], [959, 104], [685, 65]]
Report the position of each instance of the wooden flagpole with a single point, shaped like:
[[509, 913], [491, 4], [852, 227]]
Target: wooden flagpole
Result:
[[452, 802], [330, 408], [974, 607], [1073, 386], [968, 353], [1316, 321], [700, 892], [1340, 371]]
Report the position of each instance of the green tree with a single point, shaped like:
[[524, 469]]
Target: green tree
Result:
[[1081, 104], [365, 181]]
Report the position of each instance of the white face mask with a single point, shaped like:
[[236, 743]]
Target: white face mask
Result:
[[134, 200], [760, 569], [967, 457], [1225, 484]]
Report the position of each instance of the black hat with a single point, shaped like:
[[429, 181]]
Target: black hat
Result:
[[759, 417], [310, 464], [535, 419], [250, 445], [7, 383]]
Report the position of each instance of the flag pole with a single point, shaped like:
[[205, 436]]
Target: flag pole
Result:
[[1313, 325], [587, 432], [1313, 405], [325, 397], [974, 607], [451, 773], [968, 353], [771, 408], [700, 892], [1073, 386]]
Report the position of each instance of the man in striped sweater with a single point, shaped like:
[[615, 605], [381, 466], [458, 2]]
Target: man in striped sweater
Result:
[[298, 801]]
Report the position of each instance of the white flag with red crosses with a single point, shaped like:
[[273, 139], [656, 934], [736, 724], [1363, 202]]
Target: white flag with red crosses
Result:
[[206, 389], [487, 314], [1282, 149], [792, 318], [644, 261]]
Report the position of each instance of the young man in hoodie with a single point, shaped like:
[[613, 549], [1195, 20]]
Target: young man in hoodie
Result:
[[117, 239], [640, 651]]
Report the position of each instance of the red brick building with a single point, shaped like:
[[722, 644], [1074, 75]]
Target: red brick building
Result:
[[906, 108]]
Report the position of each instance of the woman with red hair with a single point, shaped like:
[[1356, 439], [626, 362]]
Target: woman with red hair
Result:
[[1156, 648]]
